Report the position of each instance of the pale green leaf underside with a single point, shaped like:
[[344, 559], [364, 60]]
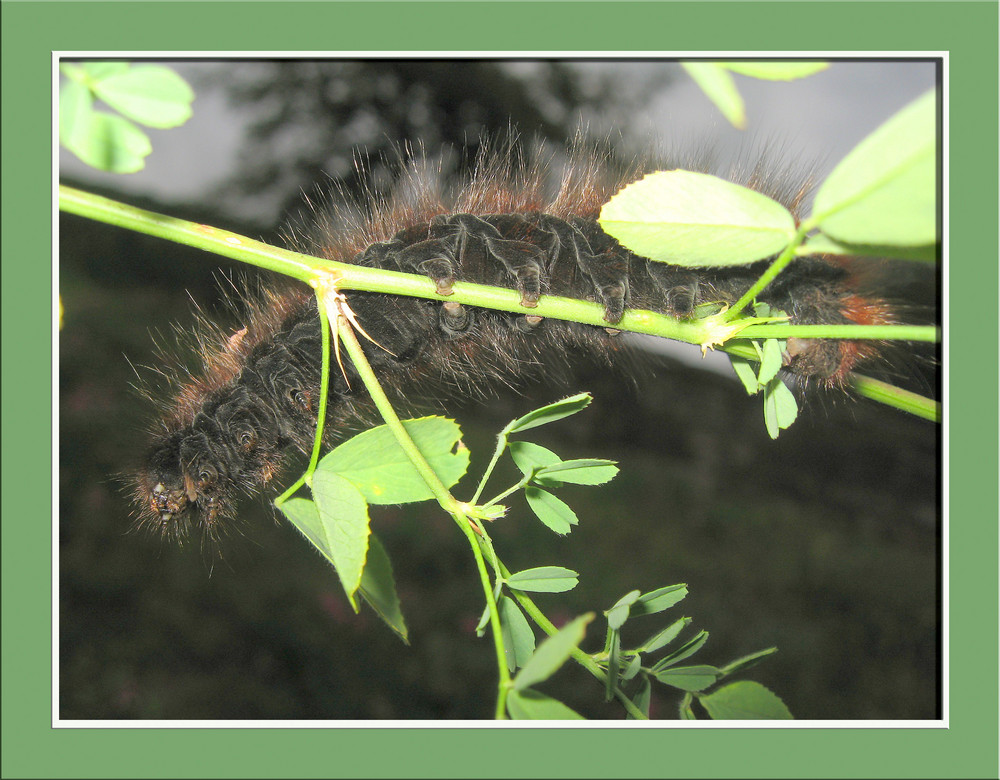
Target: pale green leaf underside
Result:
[[695, 219], [377, 465], [745, 700], [885, 190], [151, 94], [343, 514]]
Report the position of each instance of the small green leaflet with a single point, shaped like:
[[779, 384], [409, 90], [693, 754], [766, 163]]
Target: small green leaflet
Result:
[[689, 678], [550, 413], [614, 661], [528, 456], [641, 699], [532, 705], [619, 611], [694, 219], [659, 599], [744, 700], [580, 471], [552, 653], [552, 511], [686, 650], [744, 663], [377, 465], [664, 637], [518, 638], [377, 586], [780, 407], [343, 515], [544, 579], [150, 94]]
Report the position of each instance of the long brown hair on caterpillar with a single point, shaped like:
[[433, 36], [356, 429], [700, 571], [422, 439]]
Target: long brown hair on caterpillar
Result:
[[516, 221]]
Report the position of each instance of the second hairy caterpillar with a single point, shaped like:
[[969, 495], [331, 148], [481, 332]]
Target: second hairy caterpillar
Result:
[[226, 430]]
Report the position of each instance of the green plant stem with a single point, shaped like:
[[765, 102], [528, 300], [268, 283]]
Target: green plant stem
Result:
[[779, 264], [497, 499], [881, 332], [353, 277], [501, 446], [904, 400], [450, 504], [324, 392]]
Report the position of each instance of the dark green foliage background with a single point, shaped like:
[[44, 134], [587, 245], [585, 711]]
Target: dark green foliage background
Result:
[[823, 543]]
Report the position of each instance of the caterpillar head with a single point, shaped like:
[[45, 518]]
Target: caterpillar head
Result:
[[177, 489]]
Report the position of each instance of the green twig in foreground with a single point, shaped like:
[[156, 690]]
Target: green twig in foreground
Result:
[[332, 301]]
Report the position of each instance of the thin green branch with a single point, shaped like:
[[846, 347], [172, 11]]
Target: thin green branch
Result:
[[928, 333], [707, 331], [329, 297], [779, 264], [896, 397], [324, 392]]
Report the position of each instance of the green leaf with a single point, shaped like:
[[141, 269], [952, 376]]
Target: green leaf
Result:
[[619, 611], [745, 700], [780, 407], [660, 599], [550, 413], [378, 588], [718, 85], [744, 663], [771, 362], [377, 584], [76, 106], [820, 244], [518, 638], [785, 70], [689, 678], [108, 142], [686, 712], [885, 190], [632, 667], [745, 373], [664, 637], [153, 95], [611, 679], [641, 699], [580, 471], [530, 457], [552, 511], [532, 705], [544, 579], [378, 466], [694, 219], [552, 653], [343, 513], [686, 650]]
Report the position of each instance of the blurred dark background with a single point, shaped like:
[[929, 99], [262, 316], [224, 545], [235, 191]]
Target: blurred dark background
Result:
[[824, 543]]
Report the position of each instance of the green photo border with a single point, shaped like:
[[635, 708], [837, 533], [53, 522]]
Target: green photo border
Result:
[[32, 748]]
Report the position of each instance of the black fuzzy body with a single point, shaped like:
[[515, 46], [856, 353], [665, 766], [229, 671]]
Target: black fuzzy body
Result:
[[427, 350]]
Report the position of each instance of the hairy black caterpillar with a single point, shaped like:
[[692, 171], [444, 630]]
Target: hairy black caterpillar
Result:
[[227, 430]]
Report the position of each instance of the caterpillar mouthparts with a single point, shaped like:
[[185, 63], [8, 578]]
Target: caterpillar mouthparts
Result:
[[227, 430]]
